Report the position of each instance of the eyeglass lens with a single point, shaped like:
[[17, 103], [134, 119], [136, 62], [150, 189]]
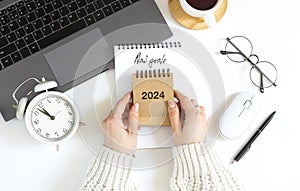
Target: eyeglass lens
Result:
[[243, 44]]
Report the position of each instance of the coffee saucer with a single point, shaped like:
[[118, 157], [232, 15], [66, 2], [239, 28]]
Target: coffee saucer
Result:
[[193, 22]]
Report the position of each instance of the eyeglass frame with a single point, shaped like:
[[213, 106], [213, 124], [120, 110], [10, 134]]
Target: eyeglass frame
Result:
[[262, 74]]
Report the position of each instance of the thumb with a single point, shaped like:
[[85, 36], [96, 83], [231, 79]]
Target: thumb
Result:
[[174, 116], [133, 119]]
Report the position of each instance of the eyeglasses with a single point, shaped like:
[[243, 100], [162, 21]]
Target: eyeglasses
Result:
[[239, 49]]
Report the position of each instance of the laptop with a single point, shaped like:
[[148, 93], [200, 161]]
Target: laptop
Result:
[[49, 38]]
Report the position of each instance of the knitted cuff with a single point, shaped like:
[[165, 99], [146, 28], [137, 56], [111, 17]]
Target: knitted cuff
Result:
[[110, 171], [197, 167]]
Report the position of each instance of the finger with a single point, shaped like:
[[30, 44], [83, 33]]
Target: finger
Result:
[[184, 100], [121, 105], [174, 116], [133, 120]]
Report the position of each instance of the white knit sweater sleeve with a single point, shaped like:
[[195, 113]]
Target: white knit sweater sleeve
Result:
[[197, 168], [111, 170]]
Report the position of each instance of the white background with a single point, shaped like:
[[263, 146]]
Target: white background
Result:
[[271, 164]]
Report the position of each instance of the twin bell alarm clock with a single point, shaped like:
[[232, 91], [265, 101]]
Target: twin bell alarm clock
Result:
[[51, 116]]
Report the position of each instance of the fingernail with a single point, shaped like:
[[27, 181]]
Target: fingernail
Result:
[[171, 104], [136, 107]]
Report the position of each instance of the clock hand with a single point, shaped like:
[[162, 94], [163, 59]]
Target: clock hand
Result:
[[46, 113]]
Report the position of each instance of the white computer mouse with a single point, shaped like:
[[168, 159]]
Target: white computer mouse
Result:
[[239, 114]]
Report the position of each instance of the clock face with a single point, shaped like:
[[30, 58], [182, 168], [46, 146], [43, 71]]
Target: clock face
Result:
[[51, 117]]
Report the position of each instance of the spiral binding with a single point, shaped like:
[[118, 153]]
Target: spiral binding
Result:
[[153, 73], [149, 45]]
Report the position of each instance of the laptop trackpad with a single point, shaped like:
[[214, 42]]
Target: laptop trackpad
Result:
[[65, 61]]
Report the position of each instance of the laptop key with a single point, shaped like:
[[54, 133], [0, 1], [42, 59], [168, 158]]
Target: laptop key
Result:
[[7, 50], [11, 8], [98, 15], [48, 8], [81, 13], [72, 17], [40, 12], [64, 32], [29, 39], [116, 6], [55, 15], [89, 19], [20, 33], [90, 8], [30, 17], [33, 48], [57, 4], [37, 34], [31, 6], [22, 21], [125, 3], [55, 26], [107, 10], [22, 10], [7, 61], [37, 23], [11, 37], [81, 3], [72, 6], [3, 12], [46, 20], [20, 43], [64, 11], [16, 56], [29, 28], [39, 3], [19, 3], [13, 25], [46, 30], [25, 52], [64, 21], [4, 19], [3, 41], [4, 30], [98, 4], [13, 15]]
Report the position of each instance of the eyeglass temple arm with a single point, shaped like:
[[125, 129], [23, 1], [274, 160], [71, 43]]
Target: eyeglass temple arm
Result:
[[224, 52], [273, 83], [261, 88]]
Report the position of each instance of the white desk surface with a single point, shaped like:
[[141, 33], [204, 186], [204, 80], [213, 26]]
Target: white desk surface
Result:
[[271, 164]]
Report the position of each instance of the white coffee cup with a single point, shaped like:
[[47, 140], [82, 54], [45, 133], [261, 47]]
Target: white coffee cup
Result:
[[207, 15]]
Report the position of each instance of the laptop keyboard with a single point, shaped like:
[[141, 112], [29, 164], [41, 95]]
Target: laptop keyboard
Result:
[[31, 25]]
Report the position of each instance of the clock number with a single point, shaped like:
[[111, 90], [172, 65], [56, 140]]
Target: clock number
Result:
[[40, 104], [56, 134], [57, 100], [47, 134], [36, 121], [66, 105], [38, 130], [65, 130], [36, 113], [70, 122]]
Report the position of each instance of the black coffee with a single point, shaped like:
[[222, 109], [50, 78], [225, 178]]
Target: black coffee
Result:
[[202, 4]]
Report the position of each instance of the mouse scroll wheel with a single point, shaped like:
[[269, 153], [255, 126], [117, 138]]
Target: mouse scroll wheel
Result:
[[247, 104]]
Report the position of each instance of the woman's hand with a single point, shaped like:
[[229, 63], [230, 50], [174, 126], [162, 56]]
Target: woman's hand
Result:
[[121, 126], [188, 120]]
